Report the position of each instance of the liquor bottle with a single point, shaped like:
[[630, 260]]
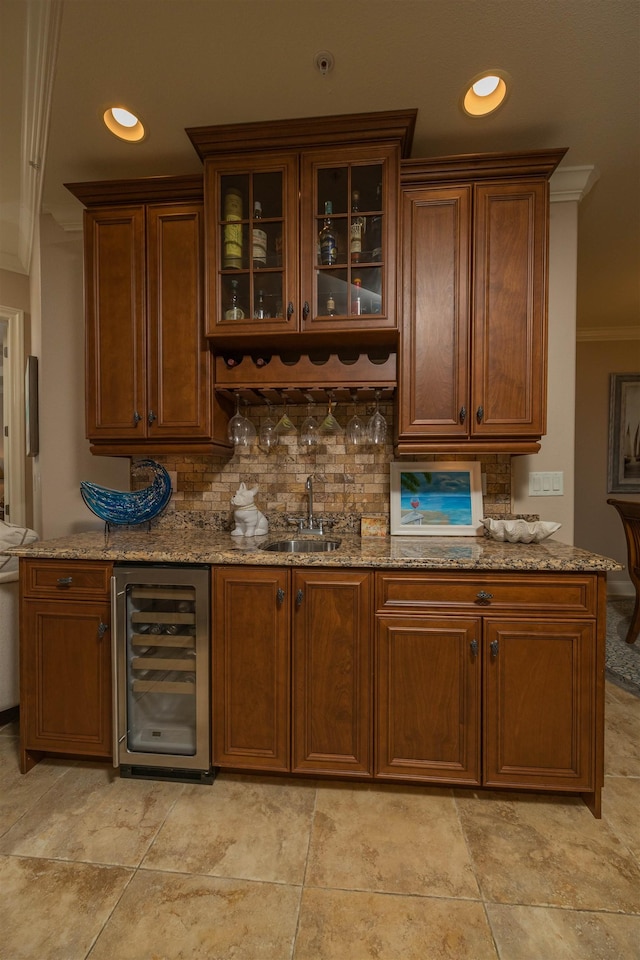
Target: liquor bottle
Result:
[[234, 311], [356, 297], [327, 238], [259, 238], [233, 230], [357, 228], [375, 229], [260, 312], [331, 306]]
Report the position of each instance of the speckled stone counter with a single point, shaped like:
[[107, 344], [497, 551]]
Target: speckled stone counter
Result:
[[200, 546]]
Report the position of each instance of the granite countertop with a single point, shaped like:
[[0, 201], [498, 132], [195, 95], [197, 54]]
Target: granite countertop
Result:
[[427, 553]]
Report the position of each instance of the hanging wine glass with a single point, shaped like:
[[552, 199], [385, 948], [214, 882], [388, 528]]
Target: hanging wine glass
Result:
[[237, 426], [285, 424], [330, 424], [356, 428], [309, 429], [249, 432], [268, 431], [377, 426]]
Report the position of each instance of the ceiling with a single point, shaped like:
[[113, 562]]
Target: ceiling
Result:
[[575, 82]]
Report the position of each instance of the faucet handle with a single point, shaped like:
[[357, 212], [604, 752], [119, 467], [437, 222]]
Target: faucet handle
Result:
[[298, 520]]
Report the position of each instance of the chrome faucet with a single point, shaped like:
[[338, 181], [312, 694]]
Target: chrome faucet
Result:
[[309, 486], [310, 523]]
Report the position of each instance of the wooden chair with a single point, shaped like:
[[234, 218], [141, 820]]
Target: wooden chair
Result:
[[629, 511]]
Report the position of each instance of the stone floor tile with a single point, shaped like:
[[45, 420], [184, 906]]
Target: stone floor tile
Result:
[[94, 815], [19, 792], [52, 910], [621, 810], [533, 933], [394, 839], [172, 916], [547, 851], [246, 827], [350, 925], [622, 738]]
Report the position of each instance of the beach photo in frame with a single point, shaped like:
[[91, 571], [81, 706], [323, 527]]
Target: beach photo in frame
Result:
[[624, 433], [436, 499]]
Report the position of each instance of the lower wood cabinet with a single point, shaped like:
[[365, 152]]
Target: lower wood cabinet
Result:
[[428, 699], [291, 662], [511, 697], [65, 660]]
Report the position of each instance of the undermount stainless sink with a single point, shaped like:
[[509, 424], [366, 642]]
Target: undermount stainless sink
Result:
[[302, 546]]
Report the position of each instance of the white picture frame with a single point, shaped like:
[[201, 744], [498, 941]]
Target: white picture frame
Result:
[[436, 499]]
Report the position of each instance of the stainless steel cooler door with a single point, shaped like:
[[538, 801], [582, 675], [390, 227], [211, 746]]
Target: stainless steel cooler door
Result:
[[161, 666]]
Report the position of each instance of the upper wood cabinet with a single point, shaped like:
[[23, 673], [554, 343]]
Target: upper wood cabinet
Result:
[[473, 340], [149, 370], [270, 189]]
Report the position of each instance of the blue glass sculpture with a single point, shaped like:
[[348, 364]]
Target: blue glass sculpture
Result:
[[128, 509]]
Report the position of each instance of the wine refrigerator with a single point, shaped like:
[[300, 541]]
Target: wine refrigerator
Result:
[[160, 652]]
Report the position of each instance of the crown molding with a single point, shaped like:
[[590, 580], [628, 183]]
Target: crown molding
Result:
[[572, 183], [608, 333], [41, 51]]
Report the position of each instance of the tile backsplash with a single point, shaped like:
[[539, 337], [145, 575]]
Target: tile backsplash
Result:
[[348, 481]]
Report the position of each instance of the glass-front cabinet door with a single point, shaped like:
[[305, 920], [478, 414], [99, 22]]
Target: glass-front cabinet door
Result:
[[348, 223], [252, 245]]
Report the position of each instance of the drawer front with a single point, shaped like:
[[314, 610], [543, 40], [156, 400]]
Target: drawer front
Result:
[[76, 580], [560, 595]]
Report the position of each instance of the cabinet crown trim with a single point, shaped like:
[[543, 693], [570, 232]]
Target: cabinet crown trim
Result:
[[303, 133]]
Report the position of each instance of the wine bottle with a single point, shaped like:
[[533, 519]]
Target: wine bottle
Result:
[[259, 238], [232, 360], [327, 238], [356, 297], [357, 228], [262, 360], [331, 306], [233, 229], [375, 228], [260, 312], [234, 311]]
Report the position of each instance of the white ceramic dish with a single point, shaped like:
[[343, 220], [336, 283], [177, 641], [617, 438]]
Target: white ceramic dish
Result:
[[520, 531]]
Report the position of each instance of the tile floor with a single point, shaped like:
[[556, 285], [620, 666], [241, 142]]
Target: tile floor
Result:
[[93, 866]]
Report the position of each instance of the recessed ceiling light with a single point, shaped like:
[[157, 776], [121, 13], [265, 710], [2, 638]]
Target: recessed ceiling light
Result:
[[485, 93], [124, 124]]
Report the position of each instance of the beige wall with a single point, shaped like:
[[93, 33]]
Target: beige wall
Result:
[[14, 290], [598, 526]]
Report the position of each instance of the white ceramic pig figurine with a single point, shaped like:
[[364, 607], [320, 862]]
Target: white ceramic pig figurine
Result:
[[249, 521]]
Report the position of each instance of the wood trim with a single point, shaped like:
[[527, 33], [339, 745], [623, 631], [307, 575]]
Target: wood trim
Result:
[[471, 166], [140, 190]]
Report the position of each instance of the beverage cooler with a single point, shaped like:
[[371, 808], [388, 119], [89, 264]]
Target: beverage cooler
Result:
[[160, 651]]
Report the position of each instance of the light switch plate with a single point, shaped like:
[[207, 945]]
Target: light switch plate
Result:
[[546, 483]]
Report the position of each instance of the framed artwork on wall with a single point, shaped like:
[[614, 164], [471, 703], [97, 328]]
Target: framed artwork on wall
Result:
[[436, 499], [624, 433]]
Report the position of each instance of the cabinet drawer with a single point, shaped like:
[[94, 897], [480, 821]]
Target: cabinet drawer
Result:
[[568, 594], [68, 579]]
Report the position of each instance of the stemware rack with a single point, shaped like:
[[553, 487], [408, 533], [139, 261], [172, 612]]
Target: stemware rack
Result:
[[307, 376]]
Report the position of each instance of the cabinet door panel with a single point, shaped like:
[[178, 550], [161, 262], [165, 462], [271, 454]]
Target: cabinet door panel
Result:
[[179, 358], [539, 704], [250, 685], [433, 386], [66, 678], [332, 672], [428, 699], [115, 307], [272, 180], [509, 357]]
